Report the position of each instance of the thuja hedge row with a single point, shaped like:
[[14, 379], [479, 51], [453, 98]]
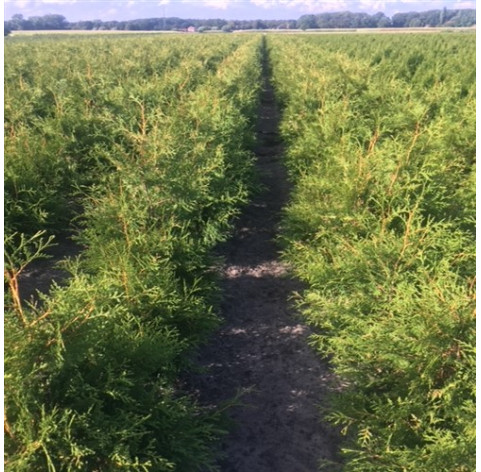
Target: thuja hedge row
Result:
[[380, 135], [92, 372], [70, 104]]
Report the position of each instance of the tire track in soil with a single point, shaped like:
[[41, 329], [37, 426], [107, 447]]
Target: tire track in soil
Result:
[[262, 346]]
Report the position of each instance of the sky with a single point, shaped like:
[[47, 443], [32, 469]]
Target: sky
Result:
[[76, 10]]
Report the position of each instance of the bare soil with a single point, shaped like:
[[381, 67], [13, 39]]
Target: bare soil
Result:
[[262, 348], [42, 273]]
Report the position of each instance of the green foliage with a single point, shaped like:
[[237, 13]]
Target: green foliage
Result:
[[64, 121], [151, 146], [381, 226], [100, 392]]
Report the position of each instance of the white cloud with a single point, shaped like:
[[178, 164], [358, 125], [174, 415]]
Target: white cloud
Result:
[[450, 4], [217, 4], [57, 2], [307, 6], [220, 4], [373, 5], [461, 4], [111, 11], [21, 3]]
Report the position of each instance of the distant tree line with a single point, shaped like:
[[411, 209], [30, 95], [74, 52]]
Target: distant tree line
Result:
[[442, 17], [344, 19], [413, 19]]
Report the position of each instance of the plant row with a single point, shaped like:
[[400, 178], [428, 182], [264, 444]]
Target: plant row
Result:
[[70, 105], [380, 142], [141, 145]]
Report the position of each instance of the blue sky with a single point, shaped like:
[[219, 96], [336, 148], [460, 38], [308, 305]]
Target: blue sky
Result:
[[75, 10]]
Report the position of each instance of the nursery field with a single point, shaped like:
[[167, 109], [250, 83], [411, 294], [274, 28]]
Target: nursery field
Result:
[[140, 148], [143, 149], [380, 138]]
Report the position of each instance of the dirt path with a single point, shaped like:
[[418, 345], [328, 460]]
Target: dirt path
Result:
[[262, 346]]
